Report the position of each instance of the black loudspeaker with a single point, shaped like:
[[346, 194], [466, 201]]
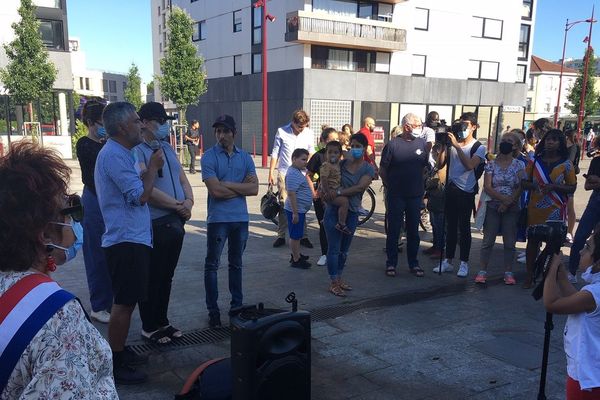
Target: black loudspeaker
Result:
[[270, 354]]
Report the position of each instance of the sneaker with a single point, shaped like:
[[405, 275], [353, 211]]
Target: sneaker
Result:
[[569, 238], [127, 375], [522, 260], [509, 278], [101, 316], [463, 270], [279, 242], [572, 278], [306, 243], [446, 267], [133, 359], [322, 260], [302, 257], [214, 321], [480, 277], [300, 264]]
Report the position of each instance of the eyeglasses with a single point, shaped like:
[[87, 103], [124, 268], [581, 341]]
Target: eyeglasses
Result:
[[75, 208]]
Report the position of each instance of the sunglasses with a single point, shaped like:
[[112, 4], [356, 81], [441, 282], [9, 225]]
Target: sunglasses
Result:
[[75, 208]]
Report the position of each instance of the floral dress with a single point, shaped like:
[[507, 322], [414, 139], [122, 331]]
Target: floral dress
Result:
[[67, 358], [505, 180]]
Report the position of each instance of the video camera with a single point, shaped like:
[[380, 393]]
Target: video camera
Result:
[[554, 234], [442, 129]]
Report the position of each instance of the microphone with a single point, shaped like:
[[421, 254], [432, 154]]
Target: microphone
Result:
[[155, 146]]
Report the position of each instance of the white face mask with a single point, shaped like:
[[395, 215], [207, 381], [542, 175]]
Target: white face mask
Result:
[[416, 132], [589, 277]]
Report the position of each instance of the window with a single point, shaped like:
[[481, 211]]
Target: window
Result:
[[237, 65], [124, 85], [419, 63], [527, 9], [87, 83], [81, 83], [159, 11], [237, 21], [165, 38], [112, 86], [365, 10], [521, 73], [531, 83], [528, 104], [547, 105], [524, 42], [52, 34], [48, 3], [256, 63], [202, 30], [483, 70], [383, 62], [421, 19], [199, 31], [385, 12], [256, 25], [487, 28], [342, 59], [342, 8], [164, 20], [193, 1], [105, 85]]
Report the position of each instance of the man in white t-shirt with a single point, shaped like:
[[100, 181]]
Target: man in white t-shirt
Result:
[[295, 135], [466, 155]]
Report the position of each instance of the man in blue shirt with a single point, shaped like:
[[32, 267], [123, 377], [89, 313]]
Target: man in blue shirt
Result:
[[229, 175], [127, 240]]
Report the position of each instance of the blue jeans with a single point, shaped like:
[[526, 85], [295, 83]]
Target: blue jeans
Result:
[[397, 207], [338, 243], [589, 219], [437, 225], [96, 268], [236, 235]]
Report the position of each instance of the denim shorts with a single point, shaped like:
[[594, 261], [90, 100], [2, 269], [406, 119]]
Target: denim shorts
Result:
[[296, 231]]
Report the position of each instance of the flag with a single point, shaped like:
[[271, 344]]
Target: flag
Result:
[[587, 39]]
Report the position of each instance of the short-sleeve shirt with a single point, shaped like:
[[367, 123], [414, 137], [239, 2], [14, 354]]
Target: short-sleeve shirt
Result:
[[505, 180], [217, 163], [404, 161], [351, 179], [314, 164], [286, 141], [119, 189], [331, 174], [464, 179], [87, 153], [295, 181], [169, 183]]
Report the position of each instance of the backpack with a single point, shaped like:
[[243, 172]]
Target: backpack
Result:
[[210, 381], [481, 167]]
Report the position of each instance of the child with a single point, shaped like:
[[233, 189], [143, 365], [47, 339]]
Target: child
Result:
[[331, 179], [297, 205]]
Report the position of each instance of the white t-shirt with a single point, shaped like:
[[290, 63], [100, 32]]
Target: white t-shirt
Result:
[[286, 141], [464, 179], [582, 343], [428, 134]]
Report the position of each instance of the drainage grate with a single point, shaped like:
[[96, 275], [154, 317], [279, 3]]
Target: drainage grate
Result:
[[205, 336]]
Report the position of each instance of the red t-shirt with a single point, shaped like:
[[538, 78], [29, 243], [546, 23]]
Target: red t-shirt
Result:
[[367, 133]]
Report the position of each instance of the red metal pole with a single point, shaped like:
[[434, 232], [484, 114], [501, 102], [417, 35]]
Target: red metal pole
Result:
[[562, 65], [265, 99], [583, 88]]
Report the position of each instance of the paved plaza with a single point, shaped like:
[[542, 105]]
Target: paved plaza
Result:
[[437, 337]]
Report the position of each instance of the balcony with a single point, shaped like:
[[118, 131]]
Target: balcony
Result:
[[332, 30]]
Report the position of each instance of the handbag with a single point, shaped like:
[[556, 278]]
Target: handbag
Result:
[[269, 204]]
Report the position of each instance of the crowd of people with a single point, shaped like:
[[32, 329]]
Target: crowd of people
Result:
[[137, 199]]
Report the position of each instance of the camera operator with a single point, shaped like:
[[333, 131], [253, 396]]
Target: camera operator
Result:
[[461, 190], [582, 330], [550, 178]]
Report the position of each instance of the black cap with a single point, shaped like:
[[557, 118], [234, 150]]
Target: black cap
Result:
[[152, 110], [225, 120]]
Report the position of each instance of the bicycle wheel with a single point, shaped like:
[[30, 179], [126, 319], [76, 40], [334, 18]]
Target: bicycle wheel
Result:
[[367, 207]]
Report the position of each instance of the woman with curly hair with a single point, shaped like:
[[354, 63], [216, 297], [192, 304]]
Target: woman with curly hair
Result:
[[48, 349]]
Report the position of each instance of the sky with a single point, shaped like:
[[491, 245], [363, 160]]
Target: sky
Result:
[[113, 34]]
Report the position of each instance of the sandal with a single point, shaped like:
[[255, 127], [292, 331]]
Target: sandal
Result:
[[172, 333], [390, 271], [417, 271], [157, 337], [345, 286], [343, 228], [336, 290]]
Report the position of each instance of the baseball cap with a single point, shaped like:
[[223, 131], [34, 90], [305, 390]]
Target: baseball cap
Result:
[[226, 120], [153, 110]]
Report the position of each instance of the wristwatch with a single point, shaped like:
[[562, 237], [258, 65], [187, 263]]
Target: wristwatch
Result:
[[338, 192]]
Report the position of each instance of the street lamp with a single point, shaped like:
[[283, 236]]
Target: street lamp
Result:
[[583, 88], [568, 26], [265, 100]]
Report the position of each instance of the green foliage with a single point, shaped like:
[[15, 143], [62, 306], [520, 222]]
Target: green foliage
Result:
[[80, 131], [183, 77], [76, 100], [29, 73], [132, 92], [591, 103], [150, 88]]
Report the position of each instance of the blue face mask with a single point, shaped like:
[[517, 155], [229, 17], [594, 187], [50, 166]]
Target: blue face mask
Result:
[[356, 153], [162, 132], [71, 251], [101, 132]]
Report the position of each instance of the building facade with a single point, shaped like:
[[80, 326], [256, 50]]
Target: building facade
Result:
[[342, 60], [54, 110]]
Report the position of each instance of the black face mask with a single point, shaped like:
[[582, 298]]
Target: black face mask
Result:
[[506, 148]]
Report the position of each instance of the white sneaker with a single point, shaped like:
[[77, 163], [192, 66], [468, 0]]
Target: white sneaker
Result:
[[569, 238], [101, 316], [572, 278], [463, 270], [322, 260], [446, 267], [522, 260]]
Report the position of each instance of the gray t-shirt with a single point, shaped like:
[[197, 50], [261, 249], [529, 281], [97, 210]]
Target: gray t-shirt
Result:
[[349, 179], [464, 179]]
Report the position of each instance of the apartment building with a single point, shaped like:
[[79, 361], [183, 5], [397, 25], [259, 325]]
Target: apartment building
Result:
[[342, 60], [54, 109]]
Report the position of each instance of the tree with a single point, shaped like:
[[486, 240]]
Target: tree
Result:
[[591, 103], [29, 73], [150, 88], [132, 92], [183, 77]]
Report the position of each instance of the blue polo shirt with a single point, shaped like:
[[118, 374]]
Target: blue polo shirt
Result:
[[216, 162], [119, 189]]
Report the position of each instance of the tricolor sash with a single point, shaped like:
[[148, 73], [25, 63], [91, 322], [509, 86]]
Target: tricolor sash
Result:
[[543, 176], [24, 309]]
